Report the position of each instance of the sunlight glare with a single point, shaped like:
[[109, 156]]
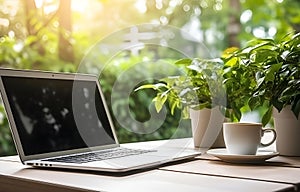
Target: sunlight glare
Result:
[[246, 16], [4, 22], [79, 5], [140, 5], [272, 31], [218, 7], [259, 32], [39, 3]]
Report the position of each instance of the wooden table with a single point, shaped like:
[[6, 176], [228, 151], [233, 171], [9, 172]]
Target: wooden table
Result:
[[204, 173]]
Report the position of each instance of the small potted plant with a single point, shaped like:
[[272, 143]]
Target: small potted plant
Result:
[[200, 94], [275, 67]]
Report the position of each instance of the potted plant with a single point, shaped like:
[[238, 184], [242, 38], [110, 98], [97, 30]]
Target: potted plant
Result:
[[275, 67], [199, 93]]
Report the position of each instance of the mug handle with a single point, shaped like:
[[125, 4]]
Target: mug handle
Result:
[[274, 137]]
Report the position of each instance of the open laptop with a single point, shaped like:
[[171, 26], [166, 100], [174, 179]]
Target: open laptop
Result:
[[61, 120]]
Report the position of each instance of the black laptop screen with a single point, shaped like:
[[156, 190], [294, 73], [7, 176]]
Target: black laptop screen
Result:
[[55, 115]]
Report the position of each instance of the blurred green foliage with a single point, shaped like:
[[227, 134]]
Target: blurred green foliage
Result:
[[22, 55], [207, 21], [6, 141]]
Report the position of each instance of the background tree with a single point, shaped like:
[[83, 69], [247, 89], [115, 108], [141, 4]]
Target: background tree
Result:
[[234, 25], [37, 24], [66, 52]]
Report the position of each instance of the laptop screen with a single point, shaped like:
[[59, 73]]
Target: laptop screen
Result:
[[57, 114]]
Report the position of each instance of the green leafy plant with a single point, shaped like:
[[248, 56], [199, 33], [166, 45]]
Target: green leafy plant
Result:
[[275, 68], [200, 86], [239, 82], [123, 74]]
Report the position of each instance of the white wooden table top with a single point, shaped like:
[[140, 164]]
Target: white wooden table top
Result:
[[205, 173]]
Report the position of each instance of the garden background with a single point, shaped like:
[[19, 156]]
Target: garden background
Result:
[[57, 35]]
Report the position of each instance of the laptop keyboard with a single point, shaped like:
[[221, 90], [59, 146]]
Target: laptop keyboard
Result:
[[99, 155]]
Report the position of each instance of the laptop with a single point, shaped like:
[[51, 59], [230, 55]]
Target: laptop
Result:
[[61, 120]]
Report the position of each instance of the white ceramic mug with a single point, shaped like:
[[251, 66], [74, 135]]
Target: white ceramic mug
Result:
[[245, 138]]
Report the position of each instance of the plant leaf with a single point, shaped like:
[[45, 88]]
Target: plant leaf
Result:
[[267, 116], [174, 105], [296, 106], [195, 68], [254, 102], [231, 62], [151, 86], [267, 43], [160, 100], [185, 61], [260, 81], [261, 55], [229, 51], [270, 76]]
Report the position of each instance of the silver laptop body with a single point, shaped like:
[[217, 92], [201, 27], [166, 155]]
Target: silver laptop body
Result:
[[56, 116]]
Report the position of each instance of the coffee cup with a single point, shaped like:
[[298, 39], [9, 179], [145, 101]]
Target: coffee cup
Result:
[[245, 138]]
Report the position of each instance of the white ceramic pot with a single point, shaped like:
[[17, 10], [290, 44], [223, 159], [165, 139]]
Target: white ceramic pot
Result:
[[287, 127], [207, 128]]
